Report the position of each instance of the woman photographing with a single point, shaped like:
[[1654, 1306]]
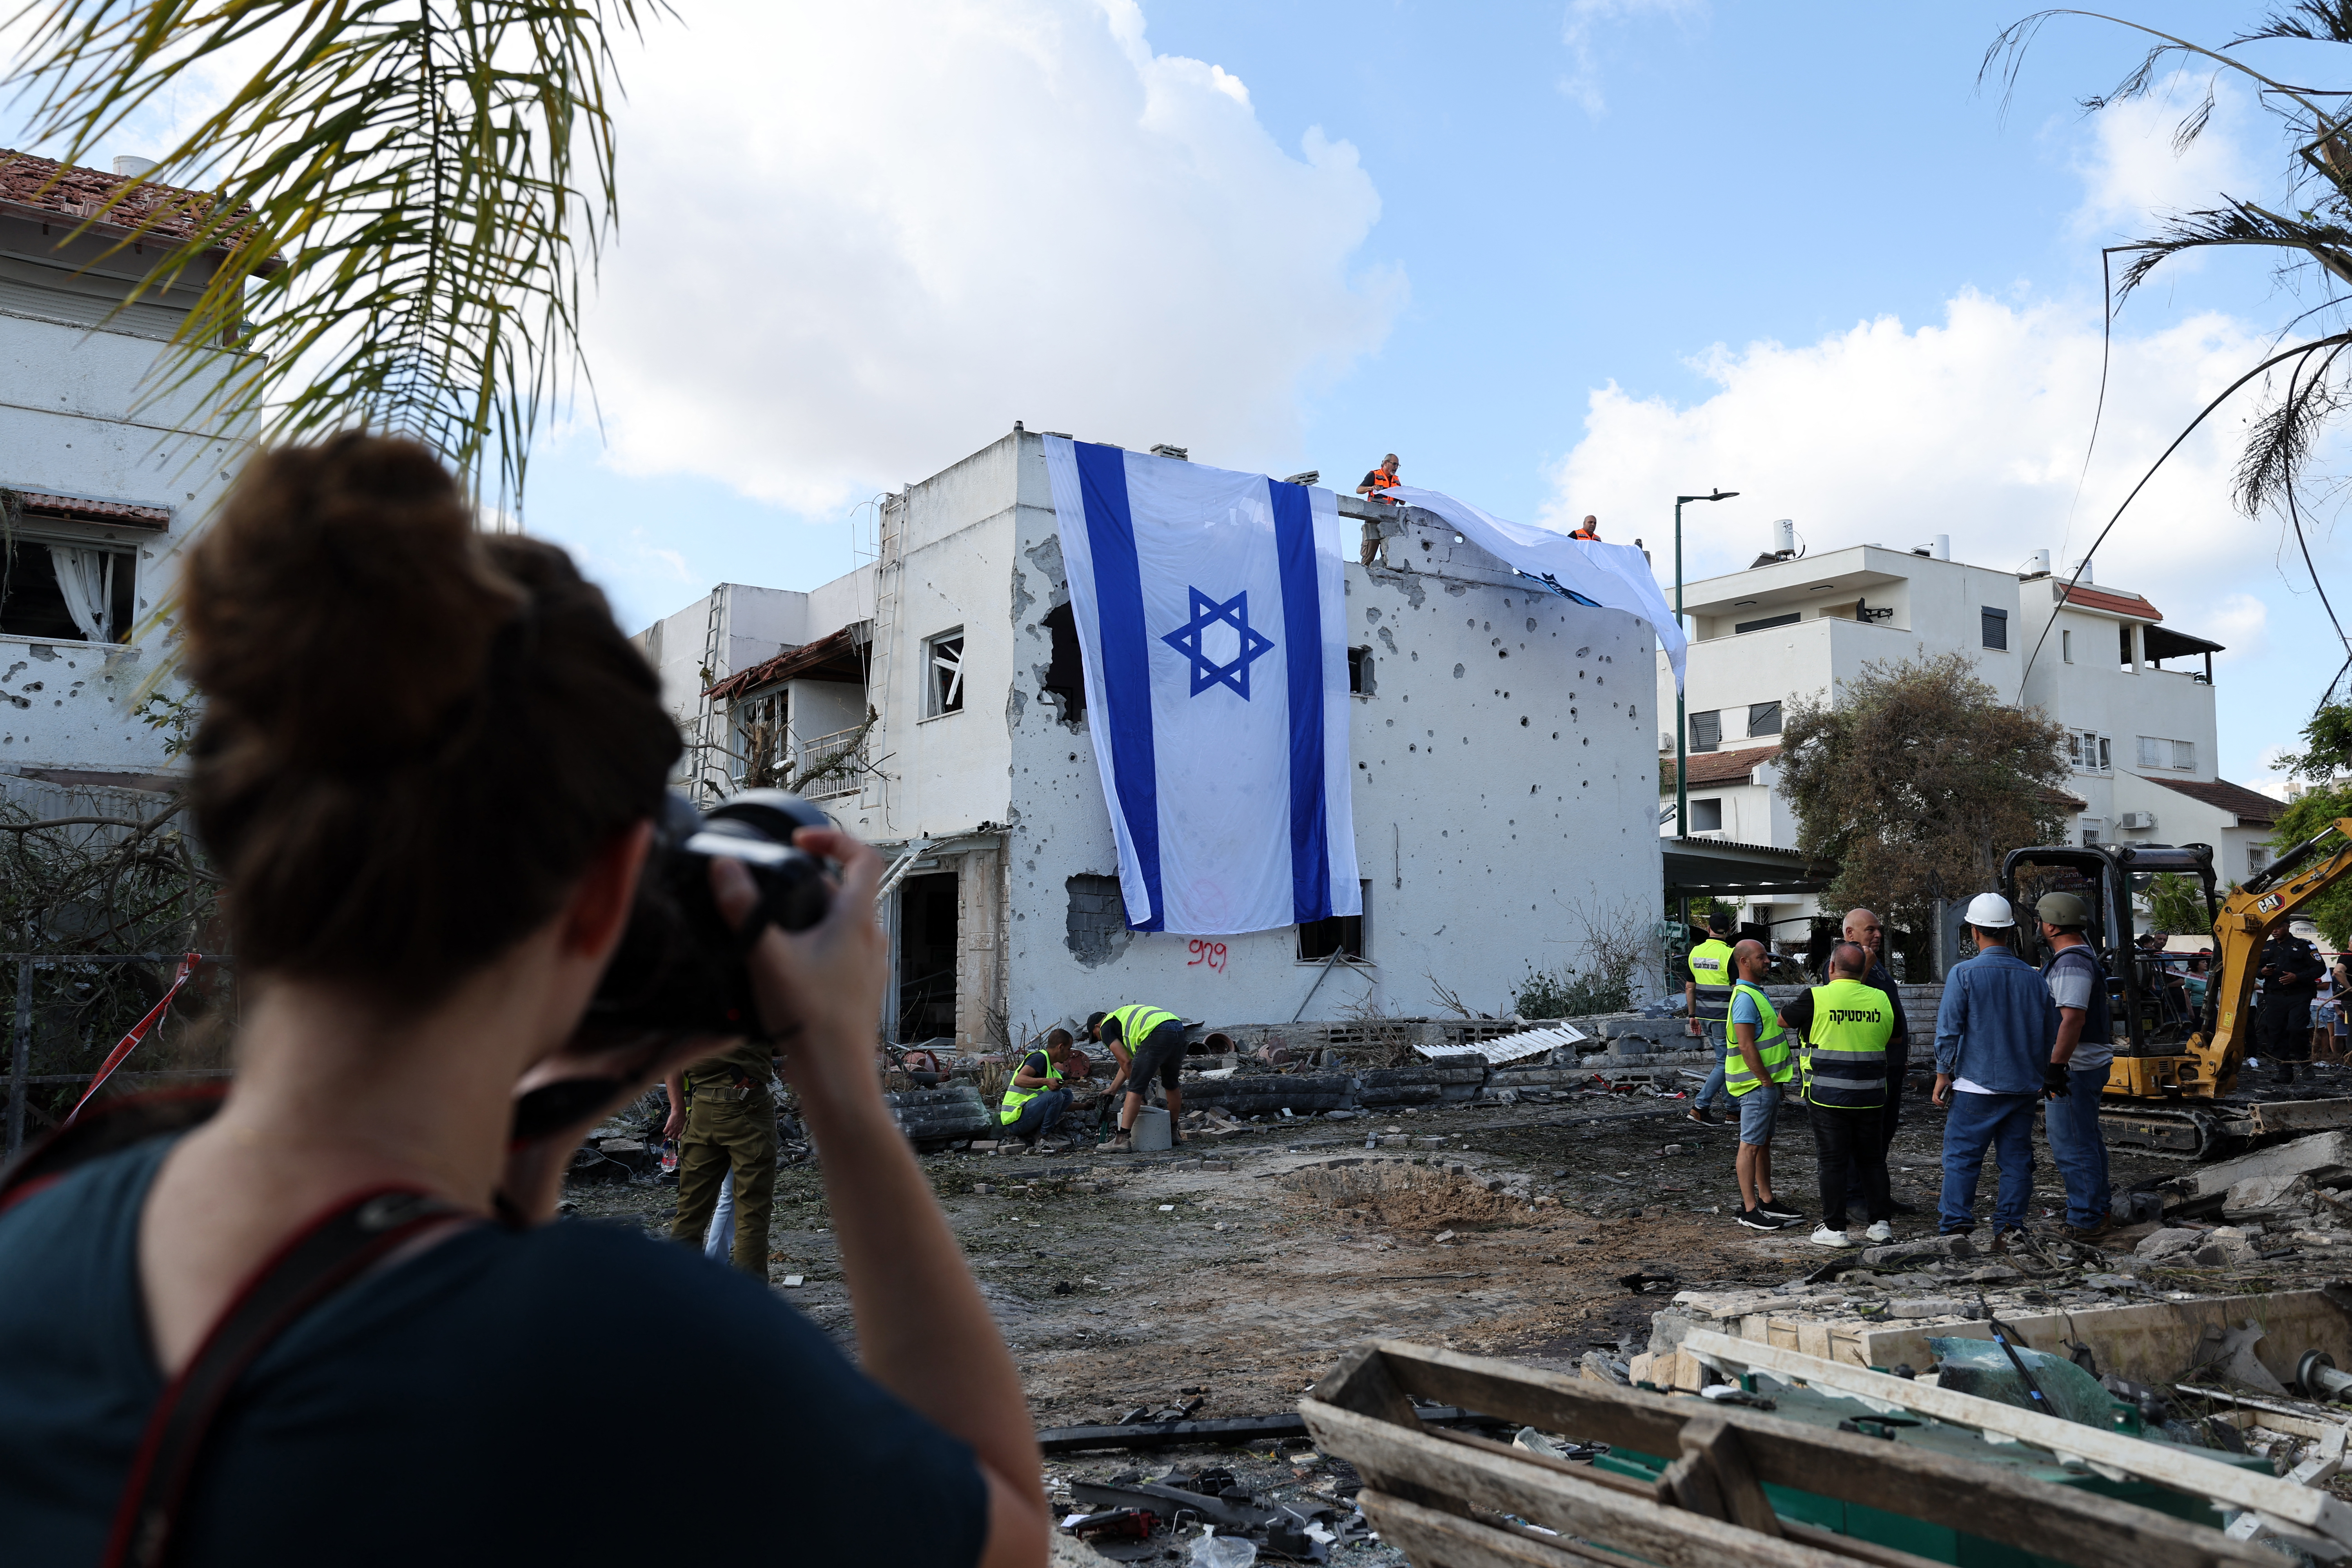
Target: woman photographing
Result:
[[429, 769]]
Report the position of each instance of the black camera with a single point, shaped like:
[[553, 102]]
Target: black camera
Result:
[[679, 968]]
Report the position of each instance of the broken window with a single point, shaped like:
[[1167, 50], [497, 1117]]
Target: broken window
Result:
[[2123, 655], [1996, 627], [1763, 717], [761, 758], [1707, 816], [1065, 675], [66, 592], [1705, 730], [1343, 934], [1359, 671], [943, 666]]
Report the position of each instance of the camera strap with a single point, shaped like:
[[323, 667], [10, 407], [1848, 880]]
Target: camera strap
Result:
[[319, 1259]]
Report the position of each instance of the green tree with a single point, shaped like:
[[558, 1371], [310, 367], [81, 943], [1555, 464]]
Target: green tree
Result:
[[2176, 906], [2324, 765], [1915, 780], [401, 196]]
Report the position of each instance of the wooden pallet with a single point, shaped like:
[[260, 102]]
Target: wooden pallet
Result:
[[1442, 1496]]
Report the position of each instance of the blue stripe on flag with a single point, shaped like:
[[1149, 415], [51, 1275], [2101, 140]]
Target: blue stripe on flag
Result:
[[1126, 660], [1302, 619]]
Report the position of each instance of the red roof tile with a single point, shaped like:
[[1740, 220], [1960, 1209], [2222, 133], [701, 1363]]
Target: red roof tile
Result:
[[2115, 603], [834, 658], [46, 188], [78, 510], [2248, 806], [1723, 767]]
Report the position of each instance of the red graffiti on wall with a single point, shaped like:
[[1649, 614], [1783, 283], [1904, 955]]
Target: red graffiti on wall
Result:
[[1212, 954]]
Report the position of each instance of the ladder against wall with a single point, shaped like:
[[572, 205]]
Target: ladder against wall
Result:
[[889, 577], [705, 750]]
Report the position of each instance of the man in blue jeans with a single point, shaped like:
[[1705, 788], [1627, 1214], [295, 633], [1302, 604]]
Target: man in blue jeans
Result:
[[2084, 1048], [1708, 993], [1993, 1037]]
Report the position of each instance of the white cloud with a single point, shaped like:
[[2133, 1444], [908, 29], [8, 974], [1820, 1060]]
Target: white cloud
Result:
[[1585, 19], [2131, 173], [860, 241], [1973, 427]]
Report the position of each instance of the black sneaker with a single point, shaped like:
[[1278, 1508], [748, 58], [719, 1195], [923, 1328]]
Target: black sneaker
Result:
[[1759, 1219], [1779, 1210]]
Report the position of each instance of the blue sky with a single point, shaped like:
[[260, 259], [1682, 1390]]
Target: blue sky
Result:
[[1562, 257]]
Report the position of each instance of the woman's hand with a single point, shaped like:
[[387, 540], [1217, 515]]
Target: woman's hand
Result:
[[820, 989]]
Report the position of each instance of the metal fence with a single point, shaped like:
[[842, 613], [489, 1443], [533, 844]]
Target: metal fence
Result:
[[106, 1028]]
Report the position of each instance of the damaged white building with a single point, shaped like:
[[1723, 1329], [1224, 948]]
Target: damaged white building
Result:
[[108, 462], [933, 701]]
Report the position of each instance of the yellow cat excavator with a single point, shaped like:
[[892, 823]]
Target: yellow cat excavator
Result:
[[2177, 1062]]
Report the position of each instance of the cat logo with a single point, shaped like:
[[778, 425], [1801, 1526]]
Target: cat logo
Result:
[[2269, 902]]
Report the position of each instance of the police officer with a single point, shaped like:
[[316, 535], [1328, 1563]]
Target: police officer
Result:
[[1847, 1024], [724, 1108], [1147, 1041], [1034, 1097], [2290, 972], [1758, 1066], [1707, 994]]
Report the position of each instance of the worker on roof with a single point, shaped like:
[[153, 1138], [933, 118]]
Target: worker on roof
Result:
[[1707, 996], [1380, 479], [1148, 1042], [1588, 529]]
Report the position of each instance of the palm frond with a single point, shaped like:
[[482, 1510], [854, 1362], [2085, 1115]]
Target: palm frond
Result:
[[390, 210]]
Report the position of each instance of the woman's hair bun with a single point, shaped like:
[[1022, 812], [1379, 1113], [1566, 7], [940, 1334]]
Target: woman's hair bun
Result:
[[342, 603]]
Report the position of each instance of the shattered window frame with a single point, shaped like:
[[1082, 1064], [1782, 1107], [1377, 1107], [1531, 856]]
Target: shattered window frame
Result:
[[1348, 933], [943, 673]]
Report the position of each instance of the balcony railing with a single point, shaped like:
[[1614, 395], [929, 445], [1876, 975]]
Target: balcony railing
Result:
[[832, 764]]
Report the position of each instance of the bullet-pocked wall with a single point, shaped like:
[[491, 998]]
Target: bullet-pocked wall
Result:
[[1505, 798], [83, 423]]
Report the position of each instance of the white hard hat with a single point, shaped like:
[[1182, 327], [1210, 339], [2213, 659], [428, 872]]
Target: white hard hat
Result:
[[1990, 911]]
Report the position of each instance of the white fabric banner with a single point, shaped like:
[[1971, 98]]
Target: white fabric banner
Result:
[[1615, 576], [1209, 609]]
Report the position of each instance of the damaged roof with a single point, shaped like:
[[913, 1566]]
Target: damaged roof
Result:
[[836, 656], [2132, 604], [46, 189], [73, 508], [2247, 805]]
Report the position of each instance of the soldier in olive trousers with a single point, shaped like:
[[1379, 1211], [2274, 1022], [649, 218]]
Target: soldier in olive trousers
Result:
[[724, 1118]]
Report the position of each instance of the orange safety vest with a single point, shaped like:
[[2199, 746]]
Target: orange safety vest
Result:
[[1582, 533], [1383, 480]]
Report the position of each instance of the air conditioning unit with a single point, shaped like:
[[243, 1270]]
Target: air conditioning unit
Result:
[[2135, 819]]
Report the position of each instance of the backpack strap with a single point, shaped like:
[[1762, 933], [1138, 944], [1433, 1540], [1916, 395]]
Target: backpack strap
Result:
[[323, 1256]]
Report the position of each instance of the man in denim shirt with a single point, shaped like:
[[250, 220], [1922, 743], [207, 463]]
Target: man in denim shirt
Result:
[[1993, 1036]]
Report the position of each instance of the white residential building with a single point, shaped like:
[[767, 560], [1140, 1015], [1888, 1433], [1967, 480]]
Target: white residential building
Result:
[[2142, 738], [104, 473], [1501, 739]]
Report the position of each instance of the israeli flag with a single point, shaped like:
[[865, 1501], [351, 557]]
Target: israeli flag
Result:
[[1210, 610]]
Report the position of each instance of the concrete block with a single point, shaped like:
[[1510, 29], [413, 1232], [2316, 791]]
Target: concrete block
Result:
[[1926, 1306], [2167, 1242], [2323, 1157]]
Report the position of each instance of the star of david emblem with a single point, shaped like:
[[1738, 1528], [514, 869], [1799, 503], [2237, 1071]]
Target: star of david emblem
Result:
[[1187, 639]]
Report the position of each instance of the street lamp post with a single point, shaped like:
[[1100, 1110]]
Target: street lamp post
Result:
[[1682, 737]]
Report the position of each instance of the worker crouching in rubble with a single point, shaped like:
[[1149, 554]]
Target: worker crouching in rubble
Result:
[[1147, 1043], [429, 768], [1034, 1098], [1847, 1024]]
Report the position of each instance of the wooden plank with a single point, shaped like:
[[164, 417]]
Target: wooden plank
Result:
[[1655, 1491], [2159, 1462], [1362, 1382], [1669, 1537], [1862, 1550], [1430, 1539], [1690, 1480], [1718, 1442], [1995, 1503]]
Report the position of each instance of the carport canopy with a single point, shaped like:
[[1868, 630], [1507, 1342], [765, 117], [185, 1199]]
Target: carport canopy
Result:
[[1723, 869]]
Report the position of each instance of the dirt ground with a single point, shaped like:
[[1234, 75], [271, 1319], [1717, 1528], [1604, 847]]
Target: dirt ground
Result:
[[1236, 1268]]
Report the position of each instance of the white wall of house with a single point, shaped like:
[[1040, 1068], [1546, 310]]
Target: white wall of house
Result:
[[86, 415], [1867, 604], [1503, 797]]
